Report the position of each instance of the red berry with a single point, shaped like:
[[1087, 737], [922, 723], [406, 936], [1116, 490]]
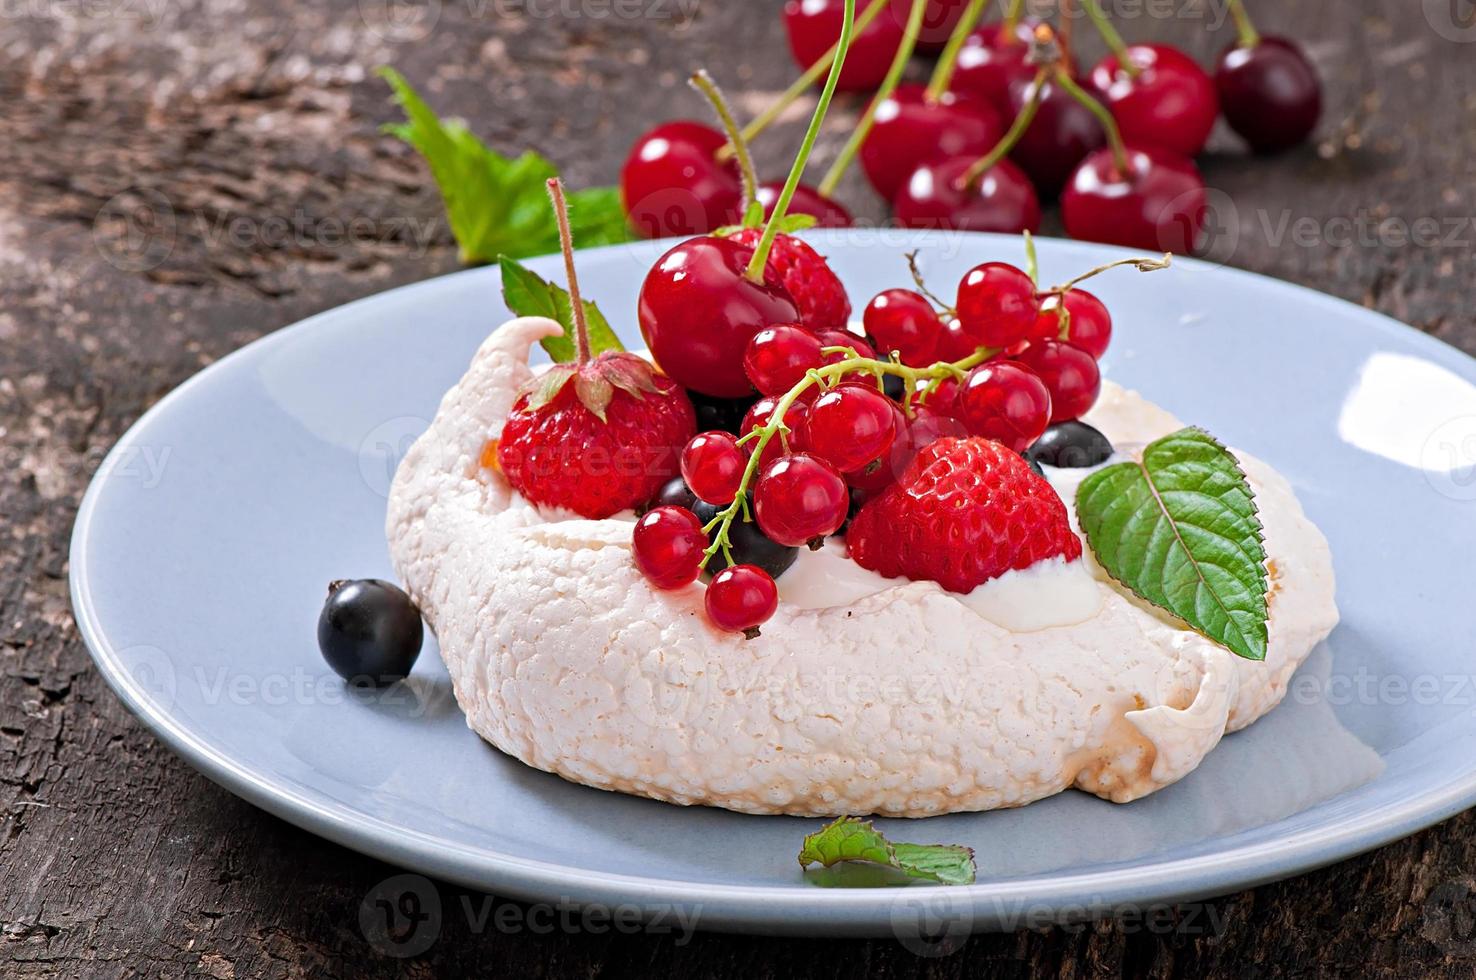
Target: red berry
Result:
[[741, 598], [953, 343], [667, 544], [904, 321], [1269, 93], [1006, 402], [992, 60], [1170, 102], [943, 399], [778, 357], [910, 130], [939, 19], [816, 290], [799, 498], [996, 304], [712, 465], [1070, 374], [1087, 324], [759, 414], [849, 426], [814, 26], [672, 183], [1158, 205], [806, 200], [844, 338], [1002, 199], [1062, 133]]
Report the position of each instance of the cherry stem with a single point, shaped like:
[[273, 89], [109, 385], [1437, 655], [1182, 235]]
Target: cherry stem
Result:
[[760, 260], [889, 85], [1141, 264], [566, 243], [971, 177], [1104, 117], [1012, 16], [922, 287], [703, 83], [1068, 21], [943, 72], [1032, 261], [1249, 36], [801, 85], [1109, 34]]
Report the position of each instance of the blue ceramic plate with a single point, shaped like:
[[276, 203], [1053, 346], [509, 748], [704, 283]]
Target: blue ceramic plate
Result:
[[203, 547]]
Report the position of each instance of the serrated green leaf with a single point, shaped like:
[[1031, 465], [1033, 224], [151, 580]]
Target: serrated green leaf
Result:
[[528, 294], [1179, 528], [854, 839]]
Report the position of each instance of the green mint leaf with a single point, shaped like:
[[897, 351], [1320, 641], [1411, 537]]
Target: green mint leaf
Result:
[[1180, 530], [854, 839], [528, 294], [498, 205]]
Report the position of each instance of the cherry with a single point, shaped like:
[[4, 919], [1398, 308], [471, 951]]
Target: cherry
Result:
[[992, 60], [1002, 199], [849, 426], [800, 498], [996, 304], [910, 129], [904, 321], [668, 545], [741, 598], [1167, 101], [1062, 133], [814, 26], [1007, 402], [698, 310], [826, 212], [673, 184], [1269, 93], [762, 411], [1158, 203], [1083, 322], [778, 357], [1070, 374], [939, 20], [713, 465]]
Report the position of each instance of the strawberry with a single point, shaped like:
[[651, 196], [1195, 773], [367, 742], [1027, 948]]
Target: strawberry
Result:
[[965, 511], [815, 289]]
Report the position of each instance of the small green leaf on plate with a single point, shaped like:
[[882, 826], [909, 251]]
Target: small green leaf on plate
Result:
[[854, 839], [528, 294]]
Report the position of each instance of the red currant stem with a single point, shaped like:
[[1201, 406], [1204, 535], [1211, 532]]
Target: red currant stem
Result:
[[888, 86], [801, 85], [943, 71], [1104, 117], [1032, 261], [566, 243], [760, 258], [1109, 34], [1249, 36], [1012, 16], [703, 83], [922, 287], [1141, 264], [971, 177]]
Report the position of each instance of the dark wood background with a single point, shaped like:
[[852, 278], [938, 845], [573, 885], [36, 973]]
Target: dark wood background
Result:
[[254, 126]]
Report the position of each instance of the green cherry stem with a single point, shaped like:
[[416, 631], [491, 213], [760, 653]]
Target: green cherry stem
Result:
[[1023, 119], [755, 271], [1032, 261], [848, 152], [1012, 16], [1249, 36], [1109, 34], [1104, 117], [943, 72], [703, 83], [566, 243]]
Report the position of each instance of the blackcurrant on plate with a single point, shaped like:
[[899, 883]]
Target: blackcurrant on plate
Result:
[[204, 546]]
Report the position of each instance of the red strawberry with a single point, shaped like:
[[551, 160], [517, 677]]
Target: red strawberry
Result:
[[816, 290], [604, 443], [964, 512]]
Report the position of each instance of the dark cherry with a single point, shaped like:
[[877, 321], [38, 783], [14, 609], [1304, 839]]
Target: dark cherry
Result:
[[673, 184], [1060, 136], [814, 26], [1070, 445], [1269, 93], [1170, 102], [939, 20], [1158, 205], [1002, 200], [723, 414], [993, 59], [910, 130], [826, 212], [698, 311]]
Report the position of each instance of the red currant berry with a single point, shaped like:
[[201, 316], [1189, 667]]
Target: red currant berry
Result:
[[741, 598], [953, 343], [849, 426], [943, 399], [759, 414], [712, 465], [904, 321], [997, 304], [844, 338], [668, 544], [1088, 324], [778, 357], [799, 498], [874, 479], [1006, 402], [1070, 374]]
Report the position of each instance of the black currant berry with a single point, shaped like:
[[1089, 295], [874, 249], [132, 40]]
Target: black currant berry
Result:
[[370, 632]]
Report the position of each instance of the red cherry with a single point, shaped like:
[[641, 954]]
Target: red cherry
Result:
[[741, 598], [667, 545], [1088, 324], [1002, 199], [815, 25], [939, 20], [698, 310], [904, 321], [672, 183], [712, 465], [799, 498], [1269, 93], [910, 130], [1069, 373], [1170, 102], [759, 414], [996, 304], [1062, 133], [806, 200], [850, 427], [1158, 205], [1006, 402], [993, 59], [778, 357]]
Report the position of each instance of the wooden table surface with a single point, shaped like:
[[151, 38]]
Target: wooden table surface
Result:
[[253, 126]]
